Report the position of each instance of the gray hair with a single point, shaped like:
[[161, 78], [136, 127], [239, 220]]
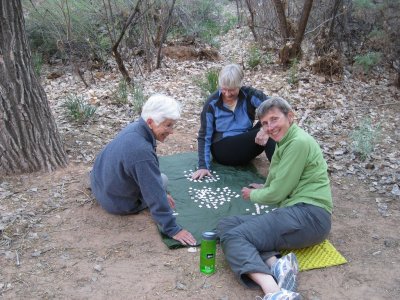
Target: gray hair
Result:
[[272, 102], [231, 76], [160, 107]]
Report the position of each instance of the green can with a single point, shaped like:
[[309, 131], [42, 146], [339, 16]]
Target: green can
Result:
[[208, 250]]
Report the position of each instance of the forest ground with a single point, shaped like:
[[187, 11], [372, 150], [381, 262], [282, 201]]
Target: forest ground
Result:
[[57, 243]]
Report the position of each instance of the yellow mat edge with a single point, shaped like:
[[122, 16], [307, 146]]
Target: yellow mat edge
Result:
[[318, 256]]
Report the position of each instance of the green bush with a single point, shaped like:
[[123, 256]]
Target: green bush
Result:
[[293, 71], [254, 57], [367, 61], [363, 4], [78, 110], [365, 137], [122, 92], [209, 83], [230, 22], [137, 97], [267, 58], [48, 33], [37, 61], [203, 19]]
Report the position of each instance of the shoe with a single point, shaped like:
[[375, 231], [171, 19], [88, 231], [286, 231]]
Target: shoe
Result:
[[285, 271], [283, 295]]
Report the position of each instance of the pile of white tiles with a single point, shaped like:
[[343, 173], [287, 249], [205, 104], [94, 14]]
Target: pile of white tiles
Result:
[[213, 198]]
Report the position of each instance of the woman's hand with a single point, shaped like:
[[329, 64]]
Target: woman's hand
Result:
[[261, 137], [185, 238], [246, 193], [200, 173]]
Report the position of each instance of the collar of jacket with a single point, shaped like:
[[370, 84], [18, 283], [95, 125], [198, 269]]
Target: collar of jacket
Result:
[[220, 103], [146, 132]]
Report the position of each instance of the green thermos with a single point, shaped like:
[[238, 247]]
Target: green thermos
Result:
[[207, 252]]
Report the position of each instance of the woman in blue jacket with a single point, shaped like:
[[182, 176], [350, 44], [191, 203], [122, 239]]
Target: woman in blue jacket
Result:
[[227, 131]]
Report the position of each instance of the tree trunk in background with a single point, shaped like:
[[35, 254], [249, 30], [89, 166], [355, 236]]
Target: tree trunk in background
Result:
[[280, 12], [251, 21], [302, 23], [115, 52], [29, 139], [293, 49], [164, 34]]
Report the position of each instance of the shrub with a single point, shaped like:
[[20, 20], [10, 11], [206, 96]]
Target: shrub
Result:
[[267, 58], [68, 28], [78, 110], [365, 137], [363, 4], [122, 92], [202, 19], [293, 71], [209, 84], [254, 57], [367, 61], [37, 61], [137, 98]]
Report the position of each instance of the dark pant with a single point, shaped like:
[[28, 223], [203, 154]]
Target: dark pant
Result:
[[241, 149], [247, 241]]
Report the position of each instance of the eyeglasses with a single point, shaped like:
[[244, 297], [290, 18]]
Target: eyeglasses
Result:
[[229, 90]]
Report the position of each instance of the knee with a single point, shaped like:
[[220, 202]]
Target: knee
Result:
[[164, 179], [225, 224]]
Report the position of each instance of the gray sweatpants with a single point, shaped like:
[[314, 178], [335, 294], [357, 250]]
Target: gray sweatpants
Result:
[[247, 241]]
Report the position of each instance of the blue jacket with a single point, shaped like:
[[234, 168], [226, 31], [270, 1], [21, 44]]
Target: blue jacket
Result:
[[127, 170], [218, 122]]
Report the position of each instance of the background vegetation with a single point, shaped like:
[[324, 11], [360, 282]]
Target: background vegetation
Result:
[[339, 32]]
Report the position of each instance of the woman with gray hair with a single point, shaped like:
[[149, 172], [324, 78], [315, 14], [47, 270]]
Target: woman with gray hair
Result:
[[227, 122], [298, 185], [126, 177]]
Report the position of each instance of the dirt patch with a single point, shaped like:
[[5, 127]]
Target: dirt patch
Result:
[[73, 249]]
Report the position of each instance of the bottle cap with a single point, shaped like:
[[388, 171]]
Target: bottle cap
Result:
[[209, 235]]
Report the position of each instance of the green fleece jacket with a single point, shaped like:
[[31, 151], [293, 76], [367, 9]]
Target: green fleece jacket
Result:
[[298, 173]]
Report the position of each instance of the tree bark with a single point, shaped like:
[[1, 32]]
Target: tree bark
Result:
[[303, 23], [29, 139], [251, 21], [164, 35], [293, 50], [280, 12], [115, 52]]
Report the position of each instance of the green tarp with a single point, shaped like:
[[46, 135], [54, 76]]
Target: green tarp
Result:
[[217, 198]]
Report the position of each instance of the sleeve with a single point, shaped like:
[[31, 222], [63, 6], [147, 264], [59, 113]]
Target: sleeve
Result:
[[286, 177], [204, 138], [148, 176]]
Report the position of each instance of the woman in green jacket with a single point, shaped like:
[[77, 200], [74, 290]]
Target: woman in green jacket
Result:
[[298, 185]]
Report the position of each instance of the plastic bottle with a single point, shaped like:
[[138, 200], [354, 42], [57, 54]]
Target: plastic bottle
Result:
[[207, 252]]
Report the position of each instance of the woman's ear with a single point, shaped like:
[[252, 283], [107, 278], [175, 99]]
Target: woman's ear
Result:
[[149, 122], [291, 117]]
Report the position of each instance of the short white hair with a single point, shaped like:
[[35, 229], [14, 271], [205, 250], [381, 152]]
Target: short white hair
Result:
[[160, 107]]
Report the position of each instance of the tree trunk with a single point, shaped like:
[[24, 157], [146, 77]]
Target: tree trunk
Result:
[[115, 52], [29, 140], [251, 21], [280, 12], [303, 23], [293, 50], [164, 34]]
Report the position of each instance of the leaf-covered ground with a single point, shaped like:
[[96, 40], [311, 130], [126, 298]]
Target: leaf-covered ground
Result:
[[56, 242]]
